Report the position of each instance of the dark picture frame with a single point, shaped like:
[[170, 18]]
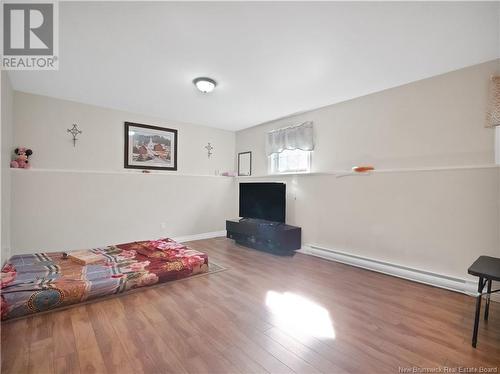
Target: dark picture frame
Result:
[[160, 153], [240, 159]]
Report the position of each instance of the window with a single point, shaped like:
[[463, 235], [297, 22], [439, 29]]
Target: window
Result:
[[289, 148], [290, 161]]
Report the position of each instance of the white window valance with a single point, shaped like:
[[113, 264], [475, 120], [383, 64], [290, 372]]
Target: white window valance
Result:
[[293, 137]]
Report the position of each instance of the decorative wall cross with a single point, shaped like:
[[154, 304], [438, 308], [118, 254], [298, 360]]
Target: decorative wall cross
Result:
[[209, 148], [75, 132]]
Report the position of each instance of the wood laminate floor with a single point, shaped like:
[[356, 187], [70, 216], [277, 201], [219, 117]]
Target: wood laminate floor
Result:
[[265, 314]]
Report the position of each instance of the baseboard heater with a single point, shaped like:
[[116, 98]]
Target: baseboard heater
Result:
[[417, 275]]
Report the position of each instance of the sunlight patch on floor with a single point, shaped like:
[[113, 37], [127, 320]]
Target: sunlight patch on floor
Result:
[[295, 313]]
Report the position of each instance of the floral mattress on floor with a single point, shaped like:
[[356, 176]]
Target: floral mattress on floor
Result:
[[42, 281]]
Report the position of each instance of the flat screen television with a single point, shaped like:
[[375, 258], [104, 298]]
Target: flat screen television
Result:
[[263, 201]]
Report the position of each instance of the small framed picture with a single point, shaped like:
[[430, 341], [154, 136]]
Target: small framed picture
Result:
[[150, 147], [245, 163]]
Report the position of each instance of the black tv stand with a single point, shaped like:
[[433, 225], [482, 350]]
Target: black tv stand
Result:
[[269, 236], [261, 222]]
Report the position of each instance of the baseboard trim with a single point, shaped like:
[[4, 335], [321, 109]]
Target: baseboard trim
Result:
[[205, 235], [466, 286]]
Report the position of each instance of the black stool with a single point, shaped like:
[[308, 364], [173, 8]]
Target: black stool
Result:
[[488, 270]]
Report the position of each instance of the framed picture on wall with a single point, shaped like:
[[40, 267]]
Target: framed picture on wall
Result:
[[150, 147], [245, 163]]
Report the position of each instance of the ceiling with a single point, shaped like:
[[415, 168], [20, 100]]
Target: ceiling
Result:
[[270, 59]]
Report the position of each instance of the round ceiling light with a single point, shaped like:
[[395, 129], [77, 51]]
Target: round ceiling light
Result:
[[204, 84]]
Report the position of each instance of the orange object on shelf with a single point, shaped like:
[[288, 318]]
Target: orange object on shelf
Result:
[[363, 169]]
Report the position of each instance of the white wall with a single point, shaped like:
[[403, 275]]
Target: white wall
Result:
[[497, 145], [41, 123], [5, 156], [438, 220], [76, 197], [69, 210], [434, 122]]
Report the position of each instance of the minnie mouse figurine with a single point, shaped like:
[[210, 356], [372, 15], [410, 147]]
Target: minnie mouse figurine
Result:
[[21, 161]]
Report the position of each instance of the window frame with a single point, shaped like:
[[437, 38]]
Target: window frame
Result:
[[274, 164]]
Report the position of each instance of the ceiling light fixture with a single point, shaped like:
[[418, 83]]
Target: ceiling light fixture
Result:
[[204, 84]]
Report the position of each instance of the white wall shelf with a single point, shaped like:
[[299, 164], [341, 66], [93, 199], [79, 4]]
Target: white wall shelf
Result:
[[114, 172], [337, 173], [343, 173]]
